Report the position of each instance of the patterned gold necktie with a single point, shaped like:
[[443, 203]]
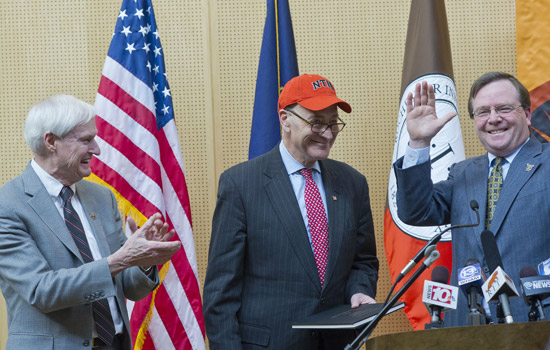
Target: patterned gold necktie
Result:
[[493, 190]]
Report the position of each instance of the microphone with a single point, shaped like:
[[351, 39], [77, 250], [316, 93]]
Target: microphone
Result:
[[470, 280], [534, 288], [438, 296], [433, 241], [498, 286]]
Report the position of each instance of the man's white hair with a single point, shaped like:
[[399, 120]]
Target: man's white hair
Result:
[[57, 115]]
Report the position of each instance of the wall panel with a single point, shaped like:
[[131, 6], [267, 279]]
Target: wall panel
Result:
[[211, 49]]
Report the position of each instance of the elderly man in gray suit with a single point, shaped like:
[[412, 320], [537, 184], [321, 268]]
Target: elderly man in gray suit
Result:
[[519, 215], [292, 233], [65, 264]]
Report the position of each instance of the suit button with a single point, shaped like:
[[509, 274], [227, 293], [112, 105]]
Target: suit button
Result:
[[314, 334], [323, 302], [86, 342]]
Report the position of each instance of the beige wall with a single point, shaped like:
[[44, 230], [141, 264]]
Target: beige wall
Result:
[[211, 50]]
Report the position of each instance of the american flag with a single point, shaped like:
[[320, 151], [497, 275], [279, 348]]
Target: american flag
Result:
[[141, 162]]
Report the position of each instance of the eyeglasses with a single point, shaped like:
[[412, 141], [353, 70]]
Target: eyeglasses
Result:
[[320, 128], [483, 113]]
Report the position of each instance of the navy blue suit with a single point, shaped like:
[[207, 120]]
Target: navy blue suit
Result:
[[261, 274]]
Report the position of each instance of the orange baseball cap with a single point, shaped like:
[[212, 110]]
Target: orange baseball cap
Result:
[[312, 92]]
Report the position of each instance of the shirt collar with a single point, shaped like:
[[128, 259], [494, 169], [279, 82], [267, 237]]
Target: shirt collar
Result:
[[292, 165], [509, 158], [53, 186]]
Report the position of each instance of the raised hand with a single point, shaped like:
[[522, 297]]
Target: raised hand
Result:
[[422, 121], [149, 245]]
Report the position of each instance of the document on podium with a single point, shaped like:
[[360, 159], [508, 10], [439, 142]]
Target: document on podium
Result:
[[344, 317]]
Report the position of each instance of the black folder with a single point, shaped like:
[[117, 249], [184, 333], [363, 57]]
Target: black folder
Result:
[[344, 317]]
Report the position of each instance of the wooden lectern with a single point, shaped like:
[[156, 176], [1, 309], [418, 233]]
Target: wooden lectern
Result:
[[514, 336]]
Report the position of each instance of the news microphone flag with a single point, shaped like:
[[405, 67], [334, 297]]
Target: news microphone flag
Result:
[[142, 163], [533, 50], [471, 275], [544, 267], [439, 294], [427, 57], [498, 283], [534, 286], [278, 64]]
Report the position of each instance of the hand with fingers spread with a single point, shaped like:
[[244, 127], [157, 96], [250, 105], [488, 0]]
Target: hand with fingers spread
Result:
[[149, 245], [422, 121]]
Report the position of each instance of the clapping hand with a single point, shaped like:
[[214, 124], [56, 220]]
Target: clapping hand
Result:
[[149, 245]]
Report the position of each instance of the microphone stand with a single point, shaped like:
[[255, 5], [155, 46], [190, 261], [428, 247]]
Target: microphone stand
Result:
[[533, 313], [434, 240], [431, 255]]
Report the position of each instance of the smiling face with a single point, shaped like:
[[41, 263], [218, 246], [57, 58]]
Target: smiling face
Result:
[[69, 159], [303, 144], [501, 135]]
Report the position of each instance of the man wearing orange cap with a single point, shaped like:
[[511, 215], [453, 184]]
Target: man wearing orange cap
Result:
[[292, 233]]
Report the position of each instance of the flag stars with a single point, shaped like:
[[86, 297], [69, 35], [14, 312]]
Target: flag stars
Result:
[[143, 30], [130, 48], [165, 109], [126, 30], [146, 47], [155, 87], [139, 13], [122, 15], [156, 69], [156, 34], [166, 92], [148, 10], [148, 65], [157, 51]]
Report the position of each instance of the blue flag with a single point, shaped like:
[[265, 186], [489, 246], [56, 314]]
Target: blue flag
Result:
[[277, 66]]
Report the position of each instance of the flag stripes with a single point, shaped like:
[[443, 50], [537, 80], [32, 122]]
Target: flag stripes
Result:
[[141, 161]]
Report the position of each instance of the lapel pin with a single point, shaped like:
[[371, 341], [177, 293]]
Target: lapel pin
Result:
[[529, 167], [334, 198], [92, 215]]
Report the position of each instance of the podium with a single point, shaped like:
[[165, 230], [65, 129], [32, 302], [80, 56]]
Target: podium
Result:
[[514, 336]]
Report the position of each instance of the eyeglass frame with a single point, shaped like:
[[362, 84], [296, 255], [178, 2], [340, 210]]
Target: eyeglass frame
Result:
[[497, 110], [314, 124]]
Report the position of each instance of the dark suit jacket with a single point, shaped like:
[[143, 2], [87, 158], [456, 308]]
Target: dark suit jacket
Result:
[[521, 222], [261, 274], [47, 287]]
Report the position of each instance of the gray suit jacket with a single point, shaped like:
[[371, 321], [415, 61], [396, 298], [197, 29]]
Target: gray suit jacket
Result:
[[261, 274], [521, 223], [47, 287]]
